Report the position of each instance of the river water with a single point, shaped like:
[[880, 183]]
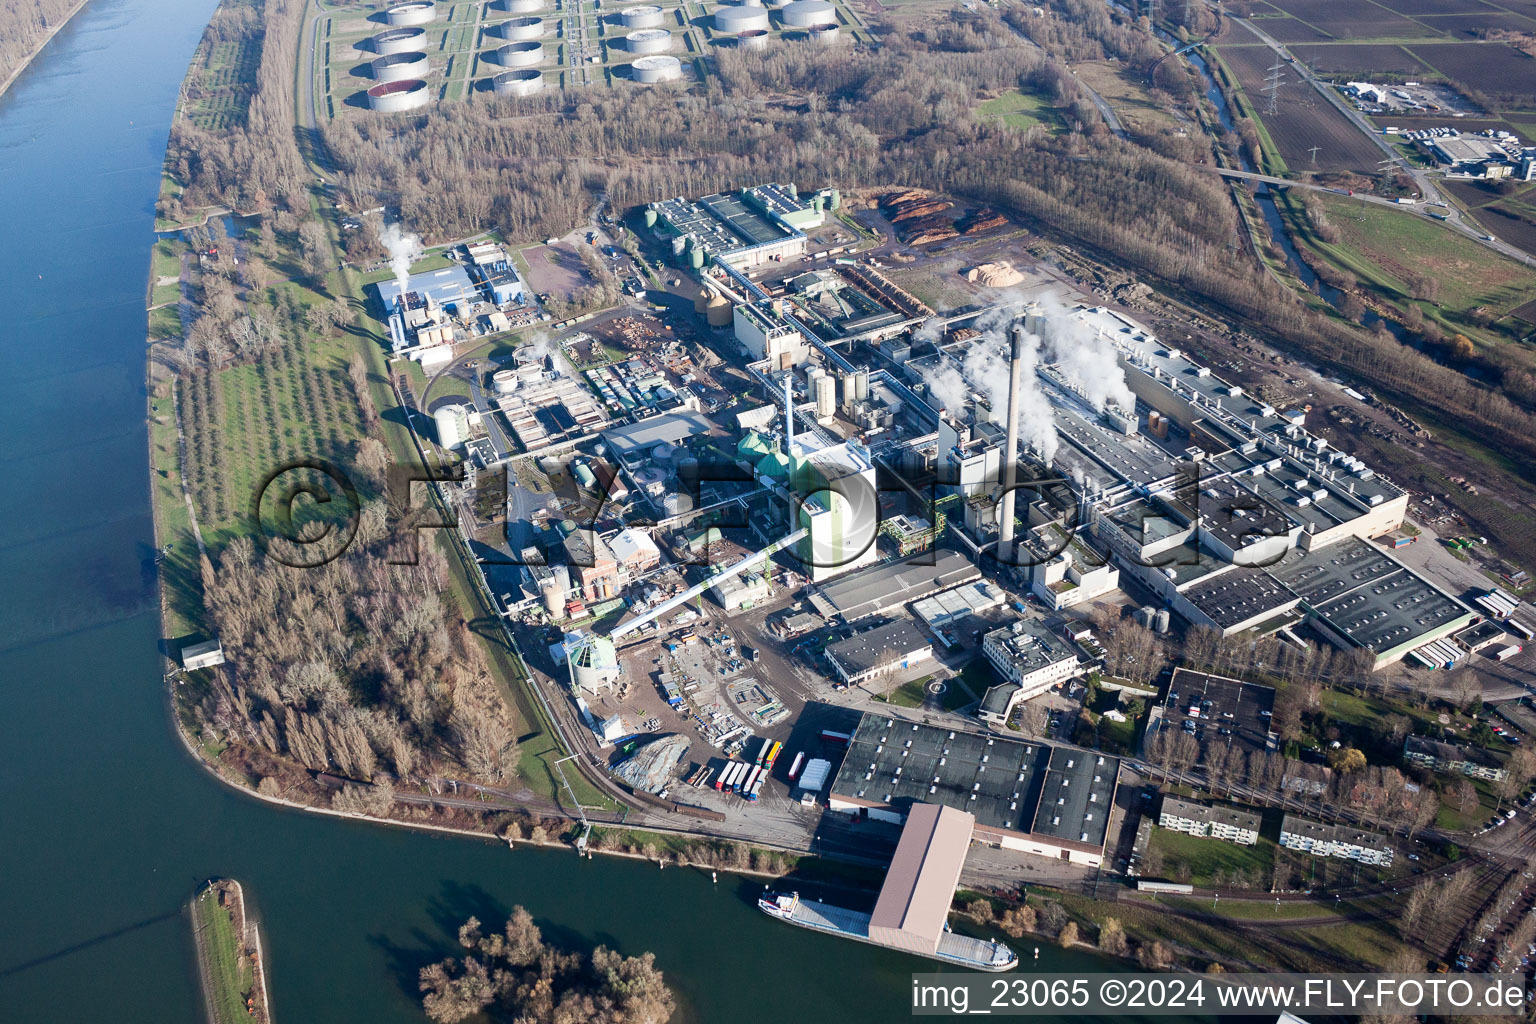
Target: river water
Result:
[[107, 826]]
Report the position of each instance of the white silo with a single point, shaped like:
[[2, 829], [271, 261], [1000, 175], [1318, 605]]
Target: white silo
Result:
[[642, 17], [658, 67], [553, 595], [452, 425], [648, 40], [734, 19], [826, 396], [417, 12], [809, 14]]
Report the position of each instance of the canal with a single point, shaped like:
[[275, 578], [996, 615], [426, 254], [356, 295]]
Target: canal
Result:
[[108, 825]]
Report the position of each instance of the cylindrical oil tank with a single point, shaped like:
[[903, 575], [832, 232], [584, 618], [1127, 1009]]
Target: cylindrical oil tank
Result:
[[521, 28], [826, 397], [395, 66], [642, 17], [520, 54], [734, 19], [399, 40], [719, 312], [417, 12], [519, 6], [395, 97], [452, 425], [505, 381], [656, 68], [756, 39], [553, 596], [584, 475], [517, 83], [809, 14], [648, 40], [826, 35]]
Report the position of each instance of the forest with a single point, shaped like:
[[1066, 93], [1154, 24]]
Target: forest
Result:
[[24, 24], [514, 975]]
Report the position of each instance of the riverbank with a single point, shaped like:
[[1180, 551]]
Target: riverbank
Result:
[[29, 58], [230, 965]]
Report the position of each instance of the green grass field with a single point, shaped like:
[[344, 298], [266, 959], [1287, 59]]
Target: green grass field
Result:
[[1213, 862], [1383, 247], [229, 973], [164, 261], [1020, 110]]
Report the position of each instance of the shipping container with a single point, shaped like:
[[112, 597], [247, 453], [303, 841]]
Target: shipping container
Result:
[[1507, 651]]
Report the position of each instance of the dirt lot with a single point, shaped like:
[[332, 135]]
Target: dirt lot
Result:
[[1302, 119], [555, 270]]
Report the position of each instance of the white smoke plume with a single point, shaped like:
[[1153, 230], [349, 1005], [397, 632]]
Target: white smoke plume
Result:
[[404, 249], [947, 386], [986, 368], [1087, 360]]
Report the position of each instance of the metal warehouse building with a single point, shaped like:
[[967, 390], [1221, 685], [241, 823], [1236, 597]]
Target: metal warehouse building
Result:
[[1050, 801]]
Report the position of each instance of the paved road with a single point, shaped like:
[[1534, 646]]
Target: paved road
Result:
[[1422, 180], [1105, 110]]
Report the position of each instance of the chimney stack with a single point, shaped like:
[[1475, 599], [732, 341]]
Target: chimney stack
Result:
[[1011, 452]]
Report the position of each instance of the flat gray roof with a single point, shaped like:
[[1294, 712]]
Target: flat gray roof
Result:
[[863, 651], [628, 442], [1031, 645], [881, 587], [1361, 593], [1239, 595], [1000, 781], [1223, 815]]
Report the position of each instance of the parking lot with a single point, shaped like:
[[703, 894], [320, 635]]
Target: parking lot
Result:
[[1215, 709]]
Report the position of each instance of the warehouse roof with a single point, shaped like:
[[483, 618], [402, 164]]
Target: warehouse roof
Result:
[[1241, 594], [635, 440], [863, 651], [1000, 781], [920, 884], [880, 587]]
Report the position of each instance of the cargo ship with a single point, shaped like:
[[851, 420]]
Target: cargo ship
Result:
[[960, 950]]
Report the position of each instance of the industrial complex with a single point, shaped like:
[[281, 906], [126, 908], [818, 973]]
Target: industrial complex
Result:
[[779, 541]]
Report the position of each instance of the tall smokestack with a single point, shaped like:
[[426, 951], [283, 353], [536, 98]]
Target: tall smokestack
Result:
[[789, 414], [1011, 452]]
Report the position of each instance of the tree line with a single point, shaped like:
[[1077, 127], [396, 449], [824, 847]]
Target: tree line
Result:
[[24, 24], [514, 974]]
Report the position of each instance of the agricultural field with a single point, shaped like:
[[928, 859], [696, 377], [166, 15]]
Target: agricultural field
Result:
[[1358, 58], [1362, 20], [1502, 74], [1302, 118], [1507, 211], [220, 82]]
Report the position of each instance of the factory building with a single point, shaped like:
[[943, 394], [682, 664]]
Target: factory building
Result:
[[744, 229], [742, 590], [762, 331], [1030, 659], [885, 650], [886, 587], [1025, 796], [912, 911], [635, 552]]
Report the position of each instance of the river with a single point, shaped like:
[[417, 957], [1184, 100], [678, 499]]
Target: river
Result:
[[108, 825]]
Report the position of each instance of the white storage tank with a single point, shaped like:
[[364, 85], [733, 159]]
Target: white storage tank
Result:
[[520, 54], [519, 6], [755, 40], [826, 35], [733, 20], [648, 40], [452, 423], [826, 397], [809, 14], [506, 381], [395, 66], [659, 67], [642, 17], [417, 12], [553, 596], [395, 97], [515, 83], [521, 28], [399, 40]]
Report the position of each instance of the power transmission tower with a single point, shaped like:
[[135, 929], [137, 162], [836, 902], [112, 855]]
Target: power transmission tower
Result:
[[1272, 81], [1151, 10]]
